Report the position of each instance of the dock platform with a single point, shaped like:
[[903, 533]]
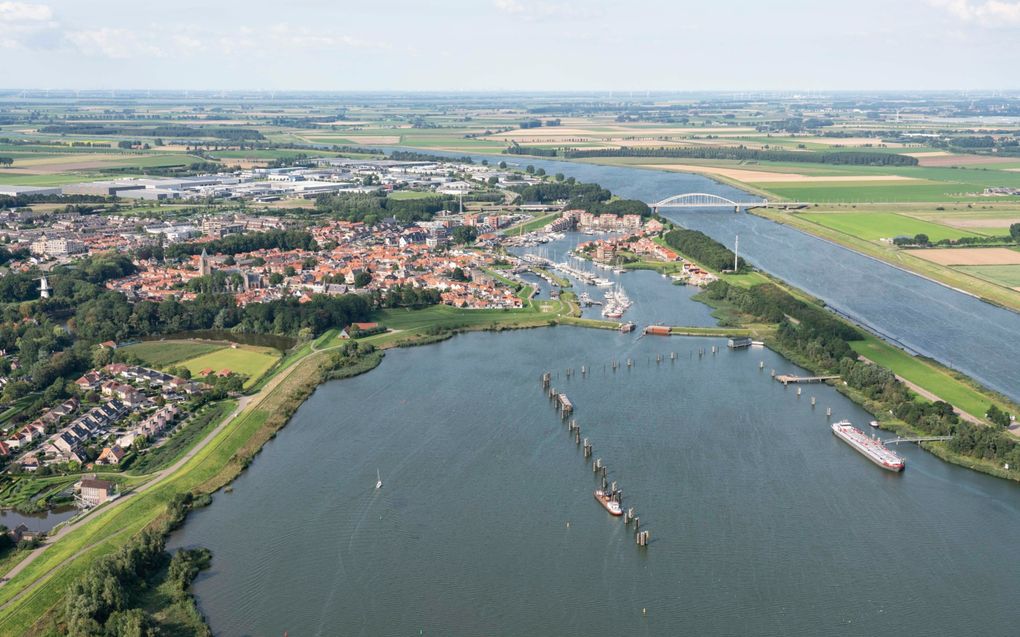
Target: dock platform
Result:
[[786, 379]]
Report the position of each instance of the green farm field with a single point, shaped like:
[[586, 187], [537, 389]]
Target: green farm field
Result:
[[163, 353], [247, 360], [1005, 275], [878, 225], [873, 191]]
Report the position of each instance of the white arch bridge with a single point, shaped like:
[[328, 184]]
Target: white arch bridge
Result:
[[705, 200]]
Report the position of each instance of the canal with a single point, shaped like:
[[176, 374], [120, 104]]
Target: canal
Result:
[[762, 522]]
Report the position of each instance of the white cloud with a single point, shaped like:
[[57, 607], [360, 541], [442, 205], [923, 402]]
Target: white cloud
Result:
[[990, 13], [23, 12], [304, 38], [114, 43], [22, 22], [544, 9]]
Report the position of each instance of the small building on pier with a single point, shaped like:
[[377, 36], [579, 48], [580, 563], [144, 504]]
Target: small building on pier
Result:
[[739, 342]]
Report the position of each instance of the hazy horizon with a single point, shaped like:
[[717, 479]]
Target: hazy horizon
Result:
[[788, 46]]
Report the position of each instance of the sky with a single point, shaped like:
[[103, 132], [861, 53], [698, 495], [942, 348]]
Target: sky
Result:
[[511, 45]]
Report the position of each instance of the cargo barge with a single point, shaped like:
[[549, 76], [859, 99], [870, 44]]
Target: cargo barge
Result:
[[871, 448]]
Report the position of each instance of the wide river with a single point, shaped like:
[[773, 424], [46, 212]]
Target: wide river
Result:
[[762, 521]]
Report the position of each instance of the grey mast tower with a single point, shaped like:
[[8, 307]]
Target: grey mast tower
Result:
[[44, 288]]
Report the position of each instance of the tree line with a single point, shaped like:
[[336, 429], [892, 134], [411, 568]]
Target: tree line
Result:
[[516, 149], [246, 242], [741, 153], [410, 155], [107, 598], [703, 249], [372, 208], [233, 133], [552, 191]]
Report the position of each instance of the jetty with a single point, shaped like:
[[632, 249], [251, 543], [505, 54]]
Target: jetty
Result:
[[896, 441], [786, 379]]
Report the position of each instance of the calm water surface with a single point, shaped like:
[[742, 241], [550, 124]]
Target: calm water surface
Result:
[[762, 521]]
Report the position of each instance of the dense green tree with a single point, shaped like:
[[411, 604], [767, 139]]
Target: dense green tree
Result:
[[465, 234]]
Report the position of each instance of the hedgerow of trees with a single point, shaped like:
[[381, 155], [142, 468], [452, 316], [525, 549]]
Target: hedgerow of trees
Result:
[[703, 249], [741, 153]]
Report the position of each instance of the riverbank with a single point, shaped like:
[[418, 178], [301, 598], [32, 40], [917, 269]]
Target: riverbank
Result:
[[35, 591], [881, 409], [986, 291]]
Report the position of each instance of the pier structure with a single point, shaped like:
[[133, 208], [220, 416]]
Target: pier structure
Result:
[[786, 379]]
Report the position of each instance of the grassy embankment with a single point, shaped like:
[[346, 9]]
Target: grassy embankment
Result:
[[992, 292], [214, 466], [948, 385], [532, 224]]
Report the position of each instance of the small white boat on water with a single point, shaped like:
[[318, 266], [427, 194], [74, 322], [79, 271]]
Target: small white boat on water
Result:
[[378, 479]]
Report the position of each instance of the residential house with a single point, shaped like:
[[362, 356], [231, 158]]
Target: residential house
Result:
[[111, 456], [92, 492]]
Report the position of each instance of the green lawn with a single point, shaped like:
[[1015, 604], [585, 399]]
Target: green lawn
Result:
[[1005, 275], [533, 224], [871, 191], [411, 194], [441, 316], [160, 354], [926, 375], [878, 225], [246, 360]]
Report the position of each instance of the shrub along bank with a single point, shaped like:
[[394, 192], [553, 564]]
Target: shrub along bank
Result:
[[703, 249]]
